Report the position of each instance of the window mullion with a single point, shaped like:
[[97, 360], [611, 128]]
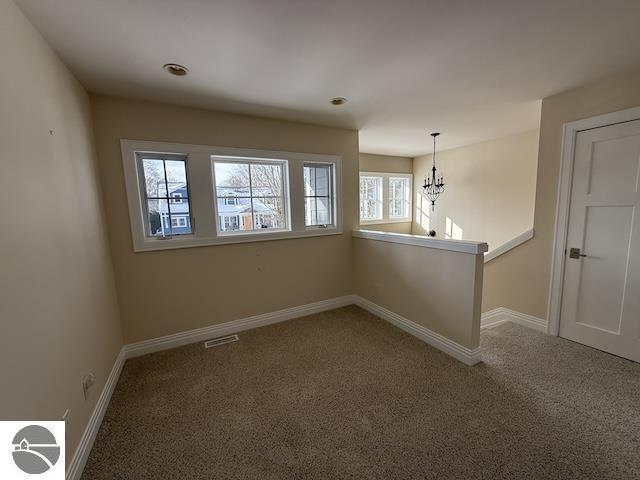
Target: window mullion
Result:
[[166, 186], [201, 193], [253, 219], [297, 197]]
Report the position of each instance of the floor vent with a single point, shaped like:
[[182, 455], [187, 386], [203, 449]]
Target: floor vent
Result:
[[216, 342]]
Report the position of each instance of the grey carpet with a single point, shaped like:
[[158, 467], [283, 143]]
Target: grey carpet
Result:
[[343, 394]]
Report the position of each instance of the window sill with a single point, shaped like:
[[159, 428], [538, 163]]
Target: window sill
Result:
[[150, 245], [383, 221]]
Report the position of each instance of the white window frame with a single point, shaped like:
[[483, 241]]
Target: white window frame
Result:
[[407, 198], [333, 197], [380, 181], [386, 200], [176, 198], [283, 164], [202, 195]]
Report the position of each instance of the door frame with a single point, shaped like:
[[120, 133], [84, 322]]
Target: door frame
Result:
[[570, 132]]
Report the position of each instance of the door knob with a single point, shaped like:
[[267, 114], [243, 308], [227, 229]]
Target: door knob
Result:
[[575, 253]]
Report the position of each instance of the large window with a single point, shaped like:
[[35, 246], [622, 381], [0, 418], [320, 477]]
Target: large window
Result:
[[318, 194], [201, 195], [385, 197], [166, 195], [252, 193]]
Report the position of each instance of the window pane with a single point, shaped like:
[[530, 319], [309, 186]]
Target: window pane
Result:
[[266, 180], [154, 180], [232, 175], [154, 224], [250, 196], [398, 197], [310, 217], [317, 180], [234, 214], [323, 177], [324, 211], [167, 218], [268, 213], [317, 211], [317, 187], [176, 175], [309, 181], [370, 198]]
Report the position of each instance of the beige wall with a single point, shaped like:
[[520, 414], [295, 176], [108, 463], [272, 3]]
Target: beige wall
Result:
[[490, 189], [387, 164], [58, 304], [520, 279], [170, 291], [400, 278]]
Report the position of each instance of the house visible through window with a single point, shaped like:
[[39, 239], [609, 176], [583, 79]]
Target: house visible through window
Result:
[[370, 198], [250, 195], [238, 195], [318, 194], [166, 195]]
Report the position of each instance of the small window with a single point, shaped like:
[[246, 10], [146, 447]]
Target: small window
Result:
[[250, 195], [370, 198], [318, 195], [165, 181], [399, 198]]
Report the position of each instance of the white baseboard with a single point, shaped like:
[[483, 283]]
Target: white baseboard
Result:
[[76, 466], [500, 315], [235, 326], [464, 354]]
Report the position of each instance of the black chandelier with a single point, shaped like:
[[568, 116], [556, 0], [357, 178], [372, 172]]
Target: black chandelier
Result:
[[433, 186]]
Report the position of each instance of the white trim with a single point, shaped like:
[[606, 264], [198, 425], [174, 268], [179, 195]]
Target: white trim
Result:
[[510, 245], [79, 460], [76, 466], [201, 191], [463, 246], [227, 328], [501, 315], [570, 131], [284, 197], [465, 355]]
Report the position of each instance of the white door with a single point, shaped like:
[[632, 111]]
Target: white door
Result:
[[601, 290]]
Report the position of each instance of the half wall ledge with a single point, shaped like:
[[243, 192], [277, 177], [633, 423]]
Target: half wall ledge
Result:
[[463, 246]]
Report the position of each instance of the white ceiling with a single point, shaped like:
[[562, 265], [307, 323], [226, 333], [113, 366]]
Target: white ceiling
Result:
[[474, 70]]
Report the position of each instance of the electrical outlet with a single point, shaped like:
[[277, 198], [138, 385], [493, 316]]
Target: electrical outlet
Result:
[[87, 383], [65, 417]]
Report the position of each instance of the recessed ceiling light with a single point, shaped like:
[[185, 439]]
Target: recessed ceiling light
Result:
[[338, 101], [175, 69]]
